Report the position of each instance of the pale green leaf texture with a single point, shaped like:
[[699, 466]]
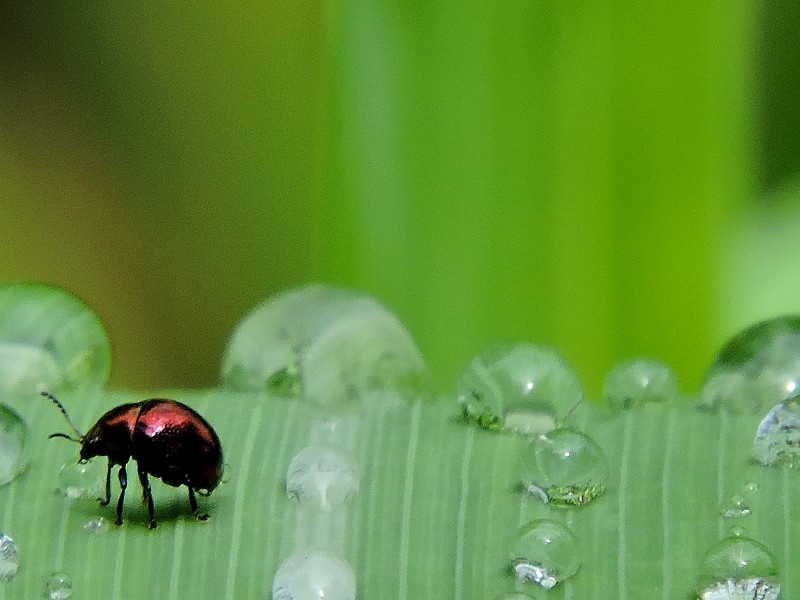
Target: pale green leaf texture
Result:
[[435, 517]]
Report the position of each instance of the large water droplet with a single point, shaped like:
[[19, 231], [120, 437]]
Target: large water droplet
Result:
[[777, 441], [545, 553], [322, 477], [49, 339], [330, 346], [567, 468], [637, 381], [59, 586], [9, 559], [12, 444], [79, 480], [757, 368], [313, 576], [739, 568], [521, 388]]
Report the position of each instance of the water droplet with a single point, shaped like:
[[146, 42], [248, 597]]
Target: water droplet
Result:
[[737, 568], [567, 468], [9, 560], [737, 531], [311, 576], [49, 338], [322, 477], [79, 481], [545, 553], [515, 596], [736, 508], [330, 346], [777, 441], [97, 526], [520, 388], [12, 444], [757, 368], [637, 381], [59, 586]]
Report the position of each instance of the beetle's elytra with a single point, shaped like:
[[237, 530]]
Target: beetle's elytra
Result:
[[167, 439]]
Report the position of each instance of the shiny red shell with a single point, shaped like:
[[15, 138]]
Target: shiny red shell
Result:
[[166, 438]]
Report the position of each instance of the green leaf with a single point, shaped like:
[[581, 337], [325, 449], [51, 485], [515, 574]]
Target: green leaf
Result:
[[435, 517]]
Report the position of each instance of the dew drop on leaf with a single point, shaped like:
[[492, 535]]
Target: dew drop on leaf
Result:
[[9, 559], [545, 553], [566, 468], [322, 477], [49, 339], [312, 576], [638, 381], [328, 346], [518, 388], [59, 586], [79, 481], [97, 526], [758, 368], [12, 444], [738, 568], [777, 440]]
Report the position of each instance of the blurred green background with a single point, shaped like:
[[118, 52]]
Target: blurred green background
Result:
[[611, 179]]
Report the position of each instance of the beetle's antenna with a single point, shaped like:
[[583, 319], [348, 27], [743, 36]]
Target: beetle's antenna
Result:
[[63, 410]]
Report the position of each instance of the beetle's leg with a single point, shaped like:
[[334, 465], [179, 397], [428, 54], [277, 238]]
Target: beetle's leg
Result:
[[123, 483], [148, 497], [193, 505], [108, 486]]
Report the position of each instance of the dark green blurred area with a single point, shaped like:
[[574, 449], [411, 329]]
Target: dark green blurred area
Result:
[[598, 177]]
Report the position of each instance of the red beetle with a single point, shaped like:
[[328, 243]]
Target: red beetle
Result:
[[167, 440]]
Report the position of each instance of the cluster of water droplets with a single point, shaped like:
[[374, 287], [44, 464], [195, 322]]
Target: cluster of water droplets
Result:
[[344, 354]]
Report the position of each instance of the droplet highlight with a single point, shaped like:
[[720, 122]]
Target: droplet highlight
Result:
[[9, 558], [777, 440], [566, 468], [13, 432], [545, 553], [328, 346], [758, 368], [739, 568], [322, 477], [59, 586], [313, 576], [639, 381], [521, 388], [49, 339]]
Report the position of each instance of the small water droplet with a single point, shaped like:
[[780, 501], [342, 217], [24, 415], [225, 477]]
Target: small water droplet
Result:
[[521, 388], [79, 481], [49, 338], [545, 553], [777, 441], [736, 508], [637, 381], [757, 368], [751, 488], [738, 567], [737, 531], [322, 477], [97, 526], [9, 559], [515, 596], [12, 444], [329, 346], [59, 586], [567, 468], [312, 576]]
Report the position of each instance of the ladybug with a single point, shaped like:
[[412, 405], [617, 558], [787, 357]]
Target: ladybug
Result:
[[167, 439]]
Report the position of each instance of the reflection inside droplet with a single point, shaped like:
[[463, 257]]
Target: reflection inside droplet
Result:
[[9, 559], [777, 440]]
